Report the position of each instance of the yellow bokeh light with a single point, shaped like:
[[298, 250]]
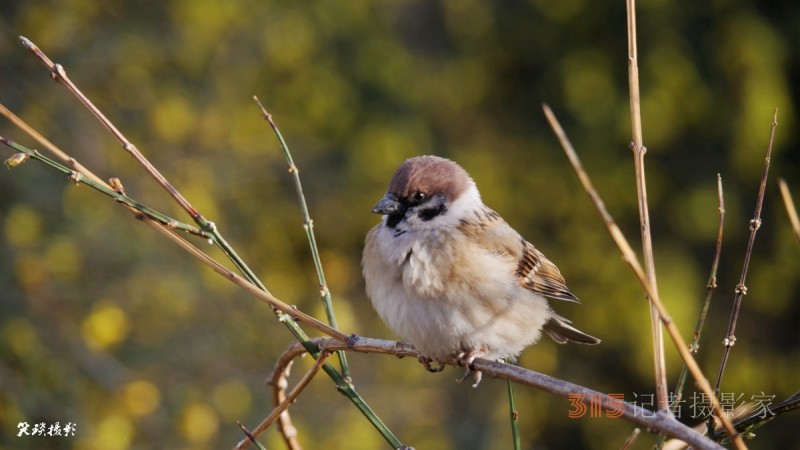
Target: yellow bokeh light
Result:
[[106, 326], [113, 432], [199, 423], [141, 397]]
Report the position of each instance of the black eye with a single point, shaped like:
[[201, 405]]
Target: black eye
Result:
[[418, 197]]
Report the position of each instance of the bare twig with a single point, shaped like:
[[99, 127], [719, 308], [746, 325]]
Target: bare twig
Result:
[[758, 417], [711, 285], [639, 151], [631, 439], [284, 401], [58, 74], [250, 436], [75, 165], [166, 225], [630, 258], [308, 226], [649, 420], [278, 379], [741, 288], [116, 192], [790, 209]]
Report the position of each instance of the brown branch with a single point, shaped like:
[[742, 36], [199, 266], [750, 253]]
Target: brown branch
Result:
[[741, 288], [282, 402], [639, 151], [177, 239], [630, 258], [58, 74], [650, 420], [790, 209], [759, 417], [44, 142], [240, 281]]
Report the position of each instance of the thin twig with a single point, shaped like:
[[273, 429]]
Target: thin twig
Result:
[[284, 403], [308, 226], [790, 209], [630, 258], [278, 379], [117, 193], [639, 151], [741, 288], [167, 225], [250, 436], [759, 417], [631, 438], [649, 420], [711, 285], [75, 165], [59, 74]]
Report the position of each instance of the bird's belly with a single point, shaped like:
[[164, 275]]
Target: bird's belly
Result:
[[499, 320]]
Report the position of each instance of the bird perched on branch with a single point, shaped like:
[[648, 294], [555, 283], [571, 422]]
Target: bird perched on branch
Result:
[[447, 274]]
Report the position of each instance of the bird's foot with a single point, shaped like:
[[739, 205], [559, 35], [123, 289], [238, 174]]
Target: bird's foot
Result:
[[466, 359], [426, 362]]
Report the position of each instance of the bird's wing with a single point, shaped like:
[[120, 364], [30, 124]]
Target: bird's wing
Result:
[[533, 270]]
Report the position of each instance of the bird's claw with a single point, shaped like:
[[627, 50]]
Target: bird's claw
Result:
[[466, 360]]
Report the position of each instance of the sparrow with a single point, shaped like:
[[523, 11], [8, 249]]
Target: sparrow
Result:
[[447, 274]]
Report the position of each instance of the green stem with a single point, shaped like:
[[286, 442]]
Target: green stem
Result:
[[514, 416], [117, 195], [308, 226], [711, 285]]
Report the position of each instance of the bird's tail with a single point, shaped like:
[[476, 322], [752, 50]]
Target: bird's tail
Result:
[[562, 332]]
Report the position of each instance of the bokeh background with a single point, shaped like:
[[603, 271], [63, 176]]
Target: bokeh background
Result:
[[105, 325]]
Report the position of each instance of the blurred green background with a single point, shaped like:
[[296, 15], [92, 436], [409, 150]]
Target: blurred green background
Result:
[[105, 325]]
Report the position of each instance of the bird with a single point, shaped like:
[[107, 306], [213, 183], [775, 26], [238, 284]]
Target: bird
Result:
[[448, 275]]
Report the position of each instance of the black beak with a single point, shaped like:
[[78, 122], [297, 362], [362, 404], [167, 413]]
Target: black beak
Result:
[[388, 205]]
